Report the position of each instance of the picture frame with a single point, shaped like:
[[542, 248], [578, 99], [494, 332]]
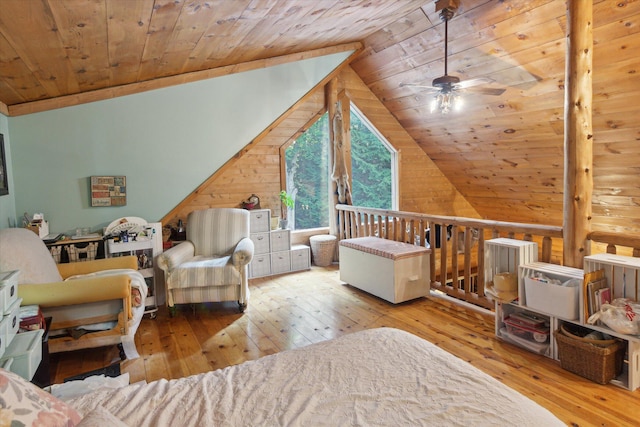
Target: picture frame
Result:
[[4, 179], [108, 191]]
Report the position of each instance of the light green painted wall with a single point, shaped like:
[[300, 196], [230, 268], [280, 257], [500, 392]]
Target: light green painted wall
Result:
[[166, 142], [7, 202]]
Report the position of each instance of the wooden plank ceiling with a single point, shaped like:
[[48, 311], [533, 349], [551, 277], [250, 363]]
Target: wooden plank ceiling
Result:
[[504, 153]]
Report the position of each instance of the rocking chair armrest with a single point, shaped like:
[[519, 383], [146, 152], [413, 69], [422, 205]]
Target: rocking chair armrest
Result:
[[78, 291], [86, 267], [243, 253]]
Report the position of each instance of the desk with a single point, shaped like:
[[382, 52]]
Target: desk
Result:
[[71, 250]]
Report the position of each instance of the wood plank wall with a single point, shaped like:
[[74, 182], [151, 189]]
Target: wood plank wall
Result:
[[423, 187]]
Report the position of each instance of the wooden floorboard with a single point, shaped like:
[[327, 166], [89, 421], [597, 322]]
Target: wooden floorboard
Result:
[[294, 310]]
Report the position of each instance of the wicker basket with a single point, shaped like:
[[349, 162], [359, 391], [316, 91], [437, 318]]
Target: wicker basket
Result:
[[323, 248], [596, 363]]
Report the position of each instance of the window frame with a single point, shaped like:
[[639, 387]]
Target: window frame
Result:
[[394, 153]]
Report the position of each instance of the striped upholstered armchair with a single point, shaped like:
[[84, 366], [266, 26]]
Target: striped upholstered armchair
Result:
[[213, 263]]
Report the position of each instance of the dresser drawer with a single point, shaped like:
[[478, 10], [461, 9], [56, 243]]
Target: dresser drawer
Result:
[[8, 290], [260, 220], [300, 257], [26, 352], [260, 265], [280, 240], [280, 262], [9, 326], [261, 243]]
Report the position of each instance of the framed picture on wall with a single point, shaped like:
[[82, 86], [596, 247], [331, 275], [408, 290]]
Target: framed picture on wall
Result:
[[108, 190], [4, 180]]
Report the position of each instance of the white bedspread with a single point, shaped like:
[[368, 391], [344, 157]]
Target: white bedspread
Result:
[[376, 377]]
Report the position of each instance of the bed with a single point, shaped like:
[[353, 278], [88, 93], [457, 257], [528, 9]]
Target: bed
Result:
[[381, 376]]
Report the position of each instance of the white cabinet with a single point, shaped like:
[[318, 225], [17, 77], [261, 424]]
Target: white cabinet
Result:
[[273, 251], [147, 249]]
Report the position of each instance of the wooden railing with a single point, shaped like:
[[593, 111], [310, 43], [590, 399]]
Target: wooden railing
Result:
[[457, 255], [613, 243]]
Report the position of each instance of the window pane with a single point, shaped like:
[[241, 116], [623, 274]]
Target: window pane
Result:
[[307, 168], [371, 166]]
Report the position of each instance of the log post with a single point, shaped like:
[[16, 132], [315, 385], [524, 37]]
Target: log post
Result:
[[331, 99], [578, 133]]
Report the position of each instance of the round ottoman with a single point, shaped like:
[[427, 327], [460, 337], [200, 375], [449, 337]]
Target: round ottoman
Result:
[[323, 246]]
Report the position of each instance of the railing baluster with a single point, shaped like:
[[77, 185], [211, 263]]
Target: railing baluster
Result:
[[547, 247]]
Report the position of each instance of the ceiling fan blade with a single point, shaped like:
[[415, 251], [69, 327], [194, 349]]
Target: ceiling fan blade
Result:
[[419, 86], [486, 90], [474, 82]]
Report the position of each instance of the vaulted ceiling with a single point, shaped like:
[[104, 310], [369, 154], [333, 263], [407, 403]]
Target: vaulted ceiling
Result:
[[504, 152]]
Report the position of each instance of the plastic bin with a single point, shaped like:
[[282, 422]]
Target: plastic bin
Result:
[[26, 352], [556, 300]]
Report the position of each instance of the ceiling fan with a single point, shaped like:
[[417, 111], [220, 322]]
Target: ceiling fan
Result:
[[448, 87]]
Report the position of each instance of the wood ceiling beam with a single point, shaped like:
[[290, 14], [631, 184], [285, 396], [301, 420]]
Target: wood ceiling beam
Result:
[[114, 92]]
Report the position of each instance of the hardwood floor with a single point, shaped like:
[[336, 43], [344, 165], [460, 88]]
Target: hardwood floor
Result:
[[295, 310]]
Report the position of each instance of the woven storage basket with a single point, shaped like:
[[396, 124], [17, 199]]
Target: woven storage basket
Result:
[[323, 247], [596, 363]]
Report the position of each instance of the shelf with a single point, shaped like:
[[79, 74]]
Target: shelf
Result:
[[558, 304]]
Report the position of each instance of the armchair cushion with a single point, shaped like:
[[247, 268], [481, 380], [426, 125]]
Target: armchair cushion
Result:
[[23, 250], [204, 271]]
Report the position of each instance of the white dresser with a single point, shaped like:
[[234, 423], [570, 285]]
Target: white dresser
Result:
[[273, 251], [19, 353]]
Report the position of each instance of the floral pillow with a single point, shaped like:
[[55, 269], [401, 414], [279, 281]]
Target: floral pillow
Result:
[[24, 404]]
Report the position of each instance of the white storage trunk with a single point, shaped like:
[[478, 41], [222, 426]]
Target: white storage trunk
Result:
[[394, 271]]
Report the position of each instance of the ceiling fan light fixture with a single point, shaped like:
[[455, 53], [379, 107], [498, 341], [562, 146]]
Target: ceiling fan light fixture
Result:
[[445, 102]]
